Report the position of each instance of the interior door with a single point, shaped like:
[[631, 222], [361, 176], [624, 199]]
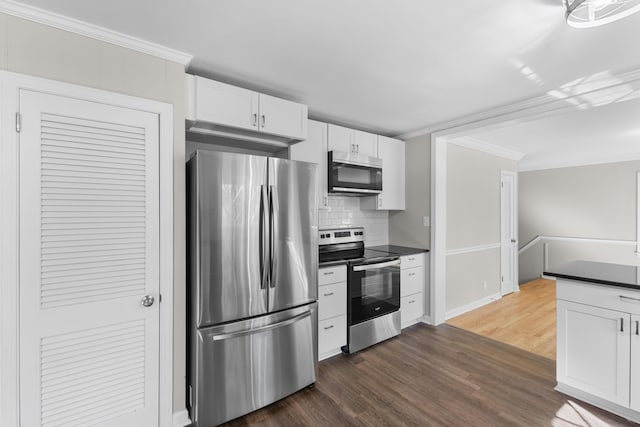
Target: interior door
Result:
[[508, 246], [294, 233], [89, 247]]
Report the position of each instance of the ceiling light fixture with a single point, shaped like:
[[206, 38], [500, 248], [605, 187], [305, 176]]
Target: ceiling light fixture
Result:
[[593, 13]]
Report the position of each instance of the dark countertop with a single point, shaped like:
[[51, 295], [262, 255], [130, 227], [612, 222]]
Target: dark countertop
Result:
[[398, 250], [625, 276]]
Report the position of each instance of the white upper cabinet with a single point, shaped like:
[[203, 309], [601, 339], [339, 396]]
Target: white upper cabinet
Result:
[[392, 153], [314, 150], [230, 111], [366, 143], [281, 117], [352, 141], [225, 104]]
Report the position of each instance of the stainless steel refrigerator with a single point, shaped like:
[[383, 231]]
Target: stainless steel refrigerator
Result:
[[252, 282]]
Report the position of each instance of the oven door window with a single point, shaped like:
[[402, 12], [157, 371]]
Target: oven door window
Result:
[[355, 176], [374, 292]]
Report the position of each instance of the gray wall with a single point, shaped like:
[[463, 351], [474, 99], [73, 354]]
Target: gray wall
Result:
[[473, 219], [31, 48], [595, 201], [406, 228]]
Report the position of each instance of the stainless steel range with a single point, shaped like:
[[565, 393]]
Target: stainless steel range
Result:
[[373, 286]]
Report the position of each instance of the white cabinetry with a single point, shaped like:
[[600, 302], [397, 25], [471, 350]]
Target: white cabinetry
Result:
[[332, 310], [594, 350], [412, 281], [391, 151], [314, 150], [352, 141], [598, 337], [222, 109]]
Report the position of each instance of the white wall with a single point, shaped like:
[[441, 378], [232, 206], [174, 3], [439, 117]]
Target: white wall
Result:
[[584, 202], [473, 219], [30, 48]]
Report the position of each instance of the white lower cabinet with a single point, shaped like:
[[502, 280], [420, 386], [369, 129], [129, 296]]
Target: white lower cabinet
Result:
[[594, 350], [598, 345], [332, 310], [412, 285]]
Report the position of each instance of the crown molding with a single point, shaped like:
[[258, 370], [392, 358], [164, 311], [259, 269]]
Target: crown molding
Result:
[[486, 147], [86, 29], [554, 163], [568, 97]]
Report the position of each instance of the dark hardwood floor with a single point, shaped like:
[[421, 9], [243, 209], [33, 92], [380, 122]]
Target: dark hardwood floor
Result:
[[433, 376]]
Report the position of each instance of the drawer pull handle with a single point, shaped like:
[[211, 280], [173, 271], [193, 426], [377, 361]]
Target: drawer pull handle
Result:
[[626, 298], [622, 324], [328, 327], [329, 294], [412, 301], [328, 273], [411, 259], [412, 274]]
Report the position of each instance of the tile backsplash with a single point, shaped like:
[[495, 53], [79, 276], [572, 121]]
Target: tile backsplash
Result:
[[345, 212]]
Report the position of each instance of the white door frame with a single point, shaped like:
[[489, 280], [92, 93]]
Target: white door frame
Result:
[[10, 85], [550, 104], [514, 210]]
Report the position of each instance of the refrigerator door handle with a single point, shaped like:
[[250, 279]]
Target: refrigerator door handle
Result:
[[273, 234], [244, 332], [263, 237]]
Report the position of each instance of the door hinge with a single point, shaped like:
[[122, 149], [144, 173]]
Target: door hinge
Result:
[[18, 122], [503, 278]]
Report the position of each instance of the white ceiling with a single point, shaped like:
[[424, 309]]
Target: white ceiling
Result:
[[386, 66], [395, 67], [604, 134]]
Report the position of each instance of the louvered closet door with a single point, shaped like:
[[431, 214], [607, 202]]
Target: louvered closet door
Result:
[[88, 254]]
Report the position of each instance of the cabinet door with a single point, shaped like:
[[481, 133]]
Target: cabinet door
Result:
[[226, 105], [340, 139], [314, 150], [391, 151], [366, 143], [411, 309], [283, 118], [594, 350], [635, 368]]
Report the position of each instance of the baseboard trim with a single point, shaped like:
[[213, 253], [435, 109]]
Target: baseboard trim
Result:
[[181, 418], [601, 403], [329, 354], [426, 320], [472, 306]]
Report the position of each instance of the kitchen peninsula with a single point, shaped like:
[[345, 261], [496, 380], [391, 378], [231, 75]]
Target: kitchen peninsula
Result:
[[598, 335]]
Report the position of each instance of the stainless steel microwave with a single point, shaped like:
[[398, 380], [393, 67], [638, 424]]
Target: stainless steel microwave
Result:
[[354, 174]]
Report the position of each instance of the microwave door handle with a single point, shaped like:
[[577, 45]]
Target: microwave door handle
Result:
[[376, 266]]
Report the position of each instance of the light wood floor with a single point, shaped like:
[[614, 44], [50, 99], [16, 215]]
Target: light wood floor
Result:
[[433, 376], [525, 319]]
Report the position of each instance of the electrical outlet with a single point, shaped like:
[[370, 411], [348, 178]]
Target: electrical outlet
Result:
[[426, 221]]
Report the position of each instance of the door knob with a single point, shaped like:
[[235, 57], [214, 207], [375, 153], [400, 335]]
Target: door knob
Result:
[[147, 301]]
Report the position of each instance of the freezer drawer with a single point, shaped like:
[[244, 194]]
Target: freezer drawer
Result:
[[242, 366]]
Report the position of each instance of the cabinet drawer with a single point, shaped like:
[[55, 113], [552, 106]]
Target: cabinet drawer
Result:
[[335, 274], [332, 334], [332, 300], [611, 297], [411, 281], [411, 261], [411, 308]]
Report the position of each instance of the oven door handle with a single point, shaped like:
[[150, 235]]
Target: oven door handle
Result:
[[376, 266]]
